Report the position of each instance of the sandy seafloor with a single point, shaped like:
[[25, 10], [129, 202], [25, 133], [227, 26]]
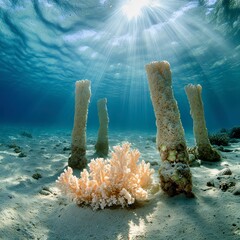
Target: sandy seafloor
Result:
[[35, 209]]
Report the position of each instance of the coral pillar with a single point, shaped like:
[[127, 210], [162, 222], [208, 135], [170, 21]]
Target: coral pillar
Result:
[[82, 98], [102, 141], [204, 148], [175, 175]]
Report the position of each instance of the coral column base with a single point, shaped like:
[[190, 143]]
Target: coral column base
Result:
[[176, 178], [102, 148], [78, 158], [208, 153]]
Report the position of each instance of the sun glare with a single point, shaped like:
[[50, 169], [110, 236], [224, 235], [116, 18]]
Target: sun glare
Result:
[[133, 8]]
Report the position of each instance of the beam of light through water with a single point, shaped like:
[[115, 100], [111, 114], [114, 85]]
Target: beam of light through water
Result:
[[133, 8], [109, 42]]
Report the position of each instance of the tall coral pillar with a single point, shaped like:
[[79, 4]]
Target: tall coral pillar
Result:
[[204, 148], [102, 141], [175, 175], [82, 99]]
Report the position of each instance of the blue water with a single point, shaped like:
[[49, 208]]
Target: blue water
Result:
[[46, 45]]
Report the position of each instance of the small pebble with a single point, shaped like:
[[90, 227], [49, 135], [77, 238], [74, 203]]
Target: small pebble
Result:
[[17, 150], [22, 155], [36, 176], [45, 193], [206, 189], [47, 189], [236, 190], [225, 171], [66, 149], [210, 184], [154, 163]]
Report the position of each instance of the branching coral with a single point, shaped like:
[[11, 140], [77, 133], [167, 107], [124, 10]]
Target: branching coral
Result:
[[116, 181]]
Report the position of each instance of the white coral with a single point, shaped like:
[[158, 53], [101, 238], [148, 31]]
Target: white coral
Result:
[[116, 181]]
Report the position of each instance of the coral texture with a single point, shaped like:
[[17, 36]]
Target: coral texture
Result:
[[116, 181], [204, 148], [219, 139], [170, 134], [235, 132], [78, 151], [102, 141]]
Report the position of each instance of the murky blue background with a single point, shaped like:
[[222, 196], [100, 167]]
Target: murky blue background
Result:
[[46, 45]]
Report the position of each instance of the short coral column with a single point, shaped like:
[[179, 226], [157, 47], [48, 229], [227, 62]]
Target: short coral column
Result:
[[82, 99], [204, 148], [102, 146]]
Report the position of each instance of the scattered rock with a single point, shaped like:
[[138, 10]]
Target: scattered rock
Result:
[[224, 186], [36, 176], [10, 196], [222, 149], [210, 183], [226, 165], [225, 171], [224, 182], [45, 191], [17, 149], [22, 155], [236, 190], [155, 163], [66, 149], [206, 189], [26, 134]]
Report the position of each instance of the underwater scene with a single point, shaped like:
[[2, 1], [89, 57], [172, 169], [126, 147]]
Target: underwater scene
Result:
[[119, 119]]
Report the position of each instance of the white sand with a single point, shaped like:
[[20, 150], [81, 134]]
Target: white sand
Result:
[[28, 214]]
